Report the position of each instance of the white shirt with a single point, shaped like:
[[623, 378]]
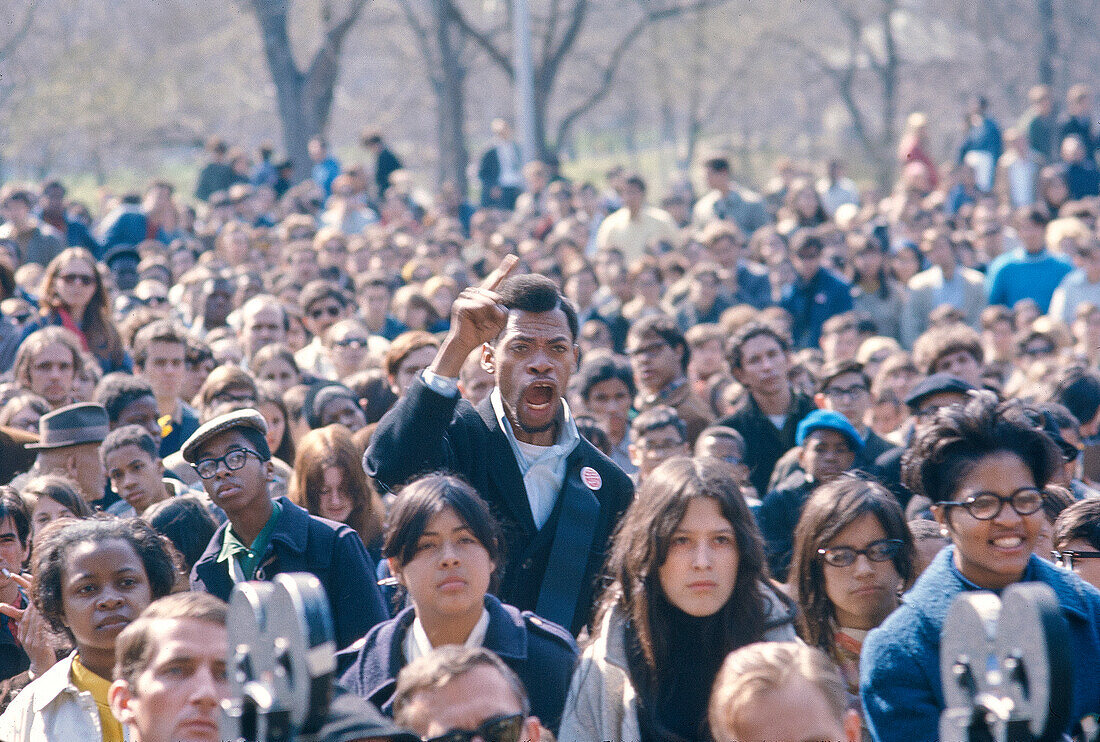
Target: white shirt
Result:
[[543, 467], [417, 644], [508, 157]]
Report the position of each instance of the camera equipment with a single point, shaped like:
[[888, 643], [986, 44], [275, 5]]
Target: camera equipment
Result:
[[282, 659], [1006, 667]]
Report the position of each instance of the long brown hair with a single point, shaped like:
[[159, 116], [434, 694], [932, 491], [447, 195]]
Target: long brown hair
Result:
[[99, 331], [832, 508], [641, 546], [332, 445]]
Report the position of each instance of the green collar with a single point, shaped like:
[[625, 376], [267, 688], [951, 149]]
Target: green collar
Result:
[[249, 557]]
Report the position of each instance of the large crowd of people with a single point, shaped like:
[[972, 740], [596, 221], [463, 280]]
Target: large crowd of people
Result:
[[572, 460]]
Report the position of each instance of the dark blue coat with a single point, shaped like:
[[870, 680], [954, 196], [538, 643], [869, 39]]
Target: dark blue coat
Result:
[[305, 543], [813, 302], [541, 653], [900, 660], [427, 431]]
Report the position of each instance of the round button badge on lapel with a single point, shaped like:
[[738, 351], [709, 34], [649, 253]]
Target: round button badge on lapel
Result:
[[591, 478]]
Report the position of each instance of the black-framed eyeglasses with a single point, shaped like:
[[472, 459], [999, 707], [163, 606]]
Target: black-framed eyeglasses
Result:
[[234, 460], [987, 505], [882, 550], [1065, 557], [497, 729], [841, 393]]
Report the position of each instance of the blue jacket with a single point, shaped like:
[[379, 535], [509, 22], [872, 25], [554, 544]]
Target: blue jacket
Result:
[[305, 543], [900, 662], [813, 302], [541, 653]]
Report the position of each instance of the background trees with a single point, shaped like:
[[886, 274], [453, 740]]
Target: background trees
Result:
[[128, 86]]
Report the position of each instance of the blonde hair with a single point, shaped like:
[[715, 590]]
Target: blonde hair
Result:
[[758, 669]]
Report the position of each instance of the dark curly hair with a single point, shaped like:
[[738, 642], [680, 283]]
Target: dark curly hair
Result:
[[57, 540], [946, 448]]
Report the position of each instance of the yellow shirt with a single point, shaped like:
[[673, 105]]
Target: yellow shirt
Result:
[[86, 680], [632, 236]]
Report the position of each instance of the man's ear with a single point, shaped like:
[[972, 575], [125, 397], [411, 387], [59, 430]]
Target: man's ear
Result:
[[119, 696], [269, 471], [488, 358], [819, 401], [532, 729]]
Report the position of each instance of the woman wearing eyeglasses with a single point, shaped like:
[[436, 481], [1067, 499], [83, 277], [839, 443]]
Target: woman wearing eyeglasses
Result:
[[983, 465], [74, 297], [852, 556]]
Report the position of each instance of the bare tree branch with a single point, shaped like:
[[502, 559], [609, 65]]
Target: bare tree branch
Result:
[[20, 33], [483, 40], [423, 41], [607, 75]]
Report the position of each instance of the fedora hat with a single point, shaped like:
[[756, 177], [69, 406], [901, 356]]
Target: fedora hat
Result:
[[72, 425]]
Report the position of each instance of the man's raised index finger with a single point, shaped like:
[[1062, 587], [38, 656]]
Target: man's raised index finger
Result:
[[501, 272]]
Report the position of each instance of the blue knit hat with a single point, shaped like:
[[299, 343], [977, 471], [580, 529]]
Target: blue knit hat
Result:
[[828, 420]]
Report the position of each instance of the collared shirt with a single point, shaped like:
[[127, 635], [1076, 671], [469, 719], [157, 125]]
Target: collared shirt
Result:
[[417, 644], [543, 467], [86, 680], [950, 291], [662, 397], [242, 559], [620, 454], [509, 158]]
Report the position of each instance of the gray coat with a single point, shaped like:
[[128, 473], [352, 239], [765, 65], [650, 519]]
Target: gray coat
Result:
[[602, 702]]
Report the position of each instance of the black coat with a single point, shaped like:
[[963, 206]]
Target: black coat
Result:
[[427, 431], [305, 543], [764, 443], [541, 653]]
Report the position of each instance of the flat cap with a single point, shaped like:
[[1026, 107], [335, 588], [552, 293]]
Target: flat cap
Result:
[[247, 418], [935, 384]]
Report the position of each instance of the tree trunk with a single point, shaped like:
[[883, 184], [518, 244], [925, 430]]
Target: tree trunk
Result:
[[451, 100], [304, 98], [1048, 46]]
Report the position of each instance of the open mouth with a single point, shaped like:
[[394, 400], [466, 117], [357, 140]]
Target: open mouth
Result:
[[1008, 542], [539, 396]]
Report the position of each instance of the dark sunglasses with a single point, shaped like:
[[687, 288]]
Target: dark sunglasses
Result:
[[351, 343], [497, 729], [882, 550], [330, 310]]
